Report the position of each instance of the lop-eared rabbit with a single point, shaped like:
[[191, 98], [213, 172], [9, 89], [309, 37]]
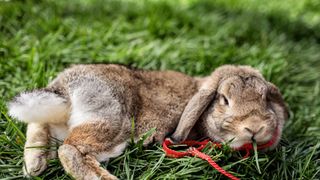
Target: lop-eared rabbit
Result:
[[91, 107]]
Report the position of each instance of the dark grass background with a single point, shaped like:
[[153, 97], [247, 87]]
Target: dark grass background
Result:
[[281, 38]]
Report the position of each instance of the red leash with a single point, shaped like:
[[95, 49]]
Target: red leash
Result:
[[196, 152], [193, 151]]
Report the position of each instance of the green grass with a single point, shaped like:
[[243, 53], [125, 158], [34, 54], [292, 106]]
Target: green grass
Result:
[[281, 38]]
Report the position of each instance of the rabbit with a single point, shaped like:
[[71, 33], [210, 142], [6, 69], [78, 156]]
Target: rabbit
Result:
[[91, 108]]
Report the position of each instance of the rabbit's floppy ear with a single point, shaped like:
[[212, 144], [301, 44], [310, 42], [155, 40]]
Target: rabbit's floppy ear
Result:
[[199, 102], [192, 113], [276, 101]]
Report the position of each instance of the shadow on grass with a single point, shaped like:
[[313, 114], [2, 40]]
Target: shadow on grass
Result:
[[276, 20], [254, 22]]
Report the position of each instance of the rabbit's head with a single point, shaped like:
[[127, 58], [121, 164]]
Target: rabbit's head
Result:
[[235, 104]]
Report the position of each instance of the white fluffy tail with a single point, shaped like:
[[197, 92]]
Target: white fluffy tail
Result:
[[39, 106]]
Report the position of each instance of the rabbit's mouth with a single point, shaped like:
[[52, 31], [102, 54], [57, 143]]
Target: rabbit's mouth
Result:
[[266, 144], [267, 140]]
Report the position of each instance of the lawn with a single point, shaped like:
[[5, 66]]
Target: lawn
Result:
[[281, 38]]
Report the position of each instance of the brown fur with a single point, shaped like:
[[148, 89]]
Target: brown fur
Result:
[[255, 108], [103, 99]]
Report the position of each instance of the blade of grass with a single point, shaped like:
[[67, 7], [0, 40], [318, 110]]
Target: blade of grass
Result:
[[255, 149], [14, 126], [309, 159]]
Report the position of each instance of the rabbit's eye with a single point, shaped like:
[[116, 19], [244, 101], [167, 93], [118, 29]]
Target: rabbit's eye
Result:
[[224, 100]]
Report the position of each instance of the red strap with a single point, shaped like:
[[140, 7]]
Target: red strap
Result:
[[176, 154], [203, 156], [196, 151]]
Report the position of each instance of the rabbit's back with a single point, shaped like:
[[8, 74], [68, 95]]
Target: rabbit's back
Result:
[[163, 96]]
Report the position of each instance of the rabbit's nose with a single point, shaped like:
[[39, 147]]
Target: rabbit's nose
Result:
[[254, 131]]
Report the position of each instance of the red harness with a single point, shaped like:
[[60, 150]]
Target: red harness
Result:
[[192, 151]]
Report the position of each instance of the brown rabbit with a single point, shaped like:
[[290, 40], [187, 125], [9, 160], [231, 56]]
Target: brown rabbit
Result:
[[90, 108]]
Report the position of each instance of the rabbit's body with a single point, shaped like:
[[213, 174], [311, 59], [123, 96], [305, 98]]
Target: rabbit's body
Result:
[[117, 95], [92, 107]]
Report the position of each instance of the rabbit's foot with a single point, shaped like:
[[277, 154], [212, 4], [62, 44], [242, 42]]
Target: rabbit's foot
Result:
[[35, 162], [82, 166]]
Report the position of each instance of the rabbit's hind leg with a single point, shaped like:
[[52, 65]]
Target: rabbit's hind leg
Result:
[[35, 152], [40, 146], [81, 166], [89, 143], [99, 128]]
